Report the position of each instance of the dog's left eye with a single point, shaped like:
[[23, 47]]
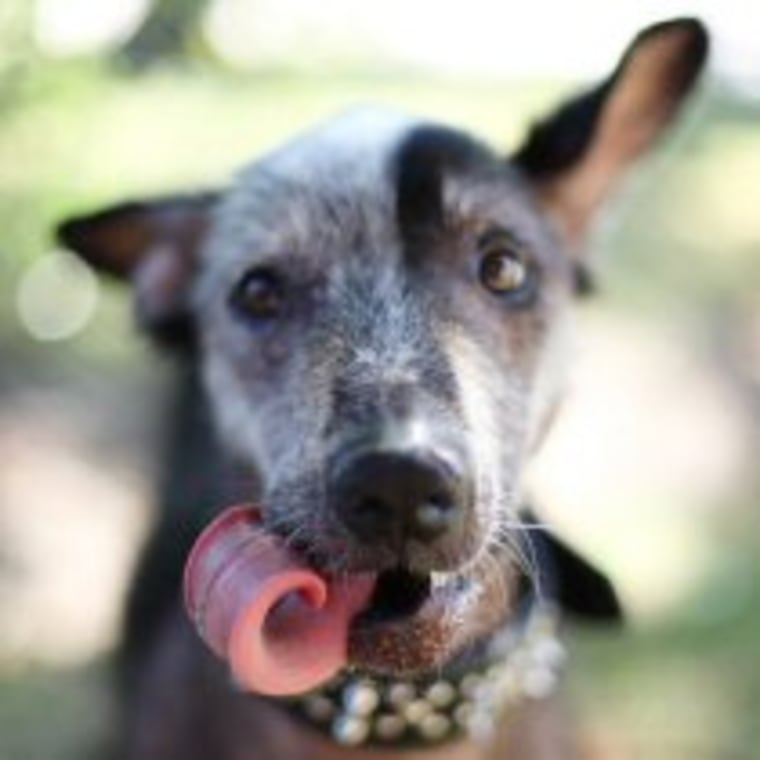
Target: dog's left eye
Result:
[[259, 295], [504, 266]]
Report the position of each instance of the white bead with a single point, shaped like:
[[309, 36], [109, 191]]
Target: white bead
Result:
[[508, 687], [389, 727], [441, 693], [549, 652], [400, 693], [463, 714], [470, 684], [434, 726], [349, 730], [539, 682], [415, 711], [361, 699]]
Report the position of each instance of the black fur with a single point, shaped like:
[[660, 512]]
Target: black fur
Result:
[[584, 282], [423, 158], [582, 591], [561, 140], [197, 481], [570, 580]]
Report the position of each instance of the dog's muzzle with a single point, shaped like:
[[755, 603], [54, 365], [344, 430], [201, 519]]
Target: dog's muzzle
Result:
[[402, 488]]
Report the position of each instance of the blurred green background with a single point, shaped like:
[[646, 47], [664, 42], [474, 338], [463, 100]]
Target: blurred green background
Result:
[[653, 469]]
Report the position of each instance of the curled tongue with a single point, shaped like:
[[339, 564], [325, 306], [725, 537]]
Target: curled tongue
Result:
[[282, 627]]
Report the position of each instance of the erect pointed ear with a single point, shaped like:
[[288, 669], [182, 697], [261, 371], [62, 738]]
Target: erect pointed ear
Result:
[[154, 244], [575, 157]]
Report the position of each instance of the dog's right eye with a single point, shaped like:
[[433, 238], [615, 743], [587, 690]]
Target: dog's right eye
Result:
[[259, 295]]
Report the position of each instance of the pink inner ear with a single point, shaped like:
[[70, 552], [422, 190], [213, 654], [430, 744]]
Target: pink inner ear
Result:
[[160, 280]]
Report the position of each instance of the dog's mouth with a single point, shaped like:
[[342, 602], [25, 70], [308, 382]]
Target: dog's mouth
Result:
[[399, 593], [285, 628], [414, 624]]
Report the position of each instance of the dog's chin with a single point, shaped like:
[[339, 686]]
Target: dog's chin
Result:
[[416, 623]]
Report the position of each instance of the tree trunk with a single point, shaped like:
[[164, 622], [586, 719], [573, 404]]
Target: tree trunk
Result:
[[169, 33]]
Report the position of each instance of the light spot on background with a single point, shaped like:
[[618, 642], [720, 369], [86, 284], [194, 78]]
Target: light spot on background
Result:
[[56, 297], [76, 27]]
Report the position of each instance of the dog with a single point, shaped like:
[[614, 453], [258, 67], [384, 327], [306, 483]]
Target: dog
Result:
[[370, 329]]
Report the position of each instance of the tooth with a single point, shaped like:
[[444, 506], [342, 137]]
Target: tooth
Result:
[[437, 580]]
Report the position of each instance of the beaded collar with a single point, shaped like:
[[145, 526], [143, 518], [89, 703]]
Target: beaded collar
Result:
[[522, 662]]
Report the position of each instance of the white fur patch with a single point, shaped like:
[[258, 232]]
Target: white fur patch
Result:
[[551, 378], [481, 412]]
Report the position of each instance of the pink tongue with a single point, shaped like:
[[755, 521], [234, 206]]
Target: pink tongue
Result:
[[282, 627]]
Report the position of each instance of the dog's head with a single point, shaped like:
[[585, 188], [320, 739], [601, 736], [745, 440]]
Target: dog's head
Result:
[[379, 311]]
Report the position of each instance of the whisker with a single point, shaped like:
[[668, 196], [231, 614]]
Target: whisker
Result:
[[520, 525], [515, 538]]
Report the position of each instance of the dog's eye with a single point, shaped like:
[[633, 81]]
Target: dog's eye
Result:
[[258, 295], [504, 266]]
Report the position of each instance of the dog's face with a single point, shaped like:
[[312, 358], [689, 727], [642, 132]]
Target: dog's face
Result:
[[379, 311], [394, 323]]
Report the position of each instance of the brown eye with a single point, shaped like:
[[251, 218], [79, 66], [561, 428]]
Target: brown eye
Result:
[[504, 267], [258, 296]]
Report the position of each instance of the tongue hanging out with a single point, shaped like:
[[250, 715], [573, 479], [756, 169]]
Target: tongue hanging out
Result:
[[282, 627]]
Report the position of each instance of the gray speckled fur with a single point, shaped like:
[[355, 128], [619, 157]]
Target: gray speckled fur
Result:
[[322, 208]]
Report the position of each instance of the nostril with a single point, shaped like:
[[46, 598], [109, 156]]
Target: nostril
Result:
[[372, 509], [367, 517], [373, 506], [441, 501]]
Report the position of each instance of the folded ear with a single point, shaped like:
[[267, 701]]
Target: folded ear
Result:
[[154, 244], [580, 589], [576, 156]]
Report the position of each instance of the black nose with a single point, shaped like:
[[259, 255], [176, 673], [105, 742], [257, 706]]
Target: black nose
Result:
[[391, 497]]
